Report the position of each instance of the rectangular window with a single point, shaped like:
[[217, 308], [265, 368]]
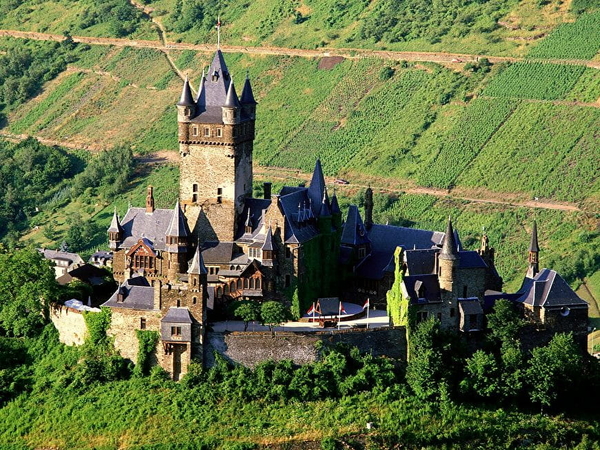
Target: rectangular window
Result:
[[361, 252], [464, 291], [219, 195], [421, 316], [175, 331], [288, 252], [206, 132], [142, 323], [194, 131], [219, 132]]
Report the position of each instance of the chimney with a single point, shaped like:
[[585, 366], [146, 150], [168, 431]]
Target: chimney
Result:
[[156, 284], [267, 190], [150, 200]]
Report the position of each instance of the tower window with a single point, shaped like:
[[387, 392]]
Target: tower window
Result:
[[195, 187], [219, 132], [206, 132], [194, 299], [178, 303], [288, 252], [194, 198], [219, 195], [186, 111], [142, 323], [194, 131], [464, 291]]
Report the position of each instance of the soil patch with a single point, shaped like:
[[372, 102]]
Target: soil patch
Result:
[[329, 62]]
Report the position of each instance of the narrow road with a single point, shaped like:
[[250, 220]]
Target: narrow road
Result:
[[347, 53]]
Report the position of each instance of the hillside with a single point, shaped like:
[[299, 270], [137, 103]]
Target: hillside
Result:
[[475, 140]]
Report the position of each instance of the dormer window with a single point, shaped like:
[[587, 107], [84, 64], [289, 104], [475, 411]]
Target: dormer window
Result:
[[361, 252], [215, 76]]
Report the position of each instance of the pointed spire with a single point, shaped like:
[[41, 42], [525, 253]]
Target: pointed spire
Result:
[[232, 99], [317, 186], [533, 245], [247, 94], [197, 266], [201, 98], [115, 224], [177, 226], [449, 250], [186, 98], [268, 244]]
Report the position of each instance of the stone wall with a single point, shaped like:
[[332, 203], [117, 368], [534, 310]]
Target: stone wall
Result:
[[123, 326], [70, 324], [251, 348]]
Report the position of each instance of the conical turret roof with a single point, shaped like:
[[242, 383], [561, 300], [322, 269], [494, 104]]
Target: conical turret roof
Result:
[[325, 210], [115, 224], [201, 98], [232, 100], [247, 94], [449, 249], [533, 245], [177, 226], [317, 186], [186, 98], [197, 266], [268, 244], [335, 207]]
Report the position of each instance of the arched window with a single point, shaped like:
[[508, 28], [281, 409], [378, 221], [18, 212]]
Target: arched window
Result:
[[258, 283], [194, 300], [251, 283], [245, 283], [226, 289], [239, 283]]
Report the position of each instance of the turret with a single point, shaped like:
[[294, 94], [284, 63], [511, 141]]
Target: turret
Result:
[[247, 100], [115, 232], [534, 251], [150, 200], [197, 271], [186, 107], [369, 208], [448, 260], [232, 108], [176, 243], [268, 248]]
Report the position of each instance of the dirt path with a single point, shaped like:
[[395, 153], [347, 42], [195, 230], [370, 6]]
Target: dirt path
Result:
[[278, 173], [347, 53]]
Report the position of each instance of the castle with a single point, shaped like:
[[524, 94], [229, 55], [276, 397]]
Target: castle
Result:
[[219, 244]]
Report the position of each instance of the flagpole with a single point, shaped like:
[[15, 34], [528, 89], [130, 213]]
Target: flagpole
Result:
[[368, 307], [313, 311], [339, 314]]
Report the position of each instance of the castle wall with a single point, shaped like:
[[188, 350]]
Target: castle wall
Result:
[[251, 348], [123, 326], [70, 324]]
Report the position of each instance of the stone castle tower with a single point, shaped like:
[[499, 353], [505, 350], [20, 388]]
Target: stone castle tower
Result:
[[216, 136]]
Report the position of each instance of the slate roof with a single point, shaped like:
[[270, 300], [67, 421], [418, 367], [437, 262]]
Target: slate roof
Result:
[[247, 97], [449, 248], [138, 295], [252, 215], [548, 290], [470, 259], [388, 237], [297, 229], [470, 306], [218, 252], [137, 224], [533, 245], [177, 315], [355, 232], [420, 262], [186, 98], [268, 243], [232, 100], [115, 225], [430, 285], [375, 264], [217, 81], [178, 225], [73, 258], [197, 266], [316, 189]]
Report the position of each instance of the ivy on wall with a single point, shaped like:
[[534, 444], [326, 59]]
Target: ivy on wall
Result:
[[147, 340], [97, 324]]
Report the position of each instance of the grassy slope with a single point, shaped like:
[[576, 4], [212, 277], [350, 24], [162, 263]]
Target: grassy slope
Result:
[[415, 129]]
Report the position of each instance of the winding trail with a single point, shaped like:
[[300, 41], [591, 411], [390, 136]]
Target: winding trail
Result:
[[346, 53]]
